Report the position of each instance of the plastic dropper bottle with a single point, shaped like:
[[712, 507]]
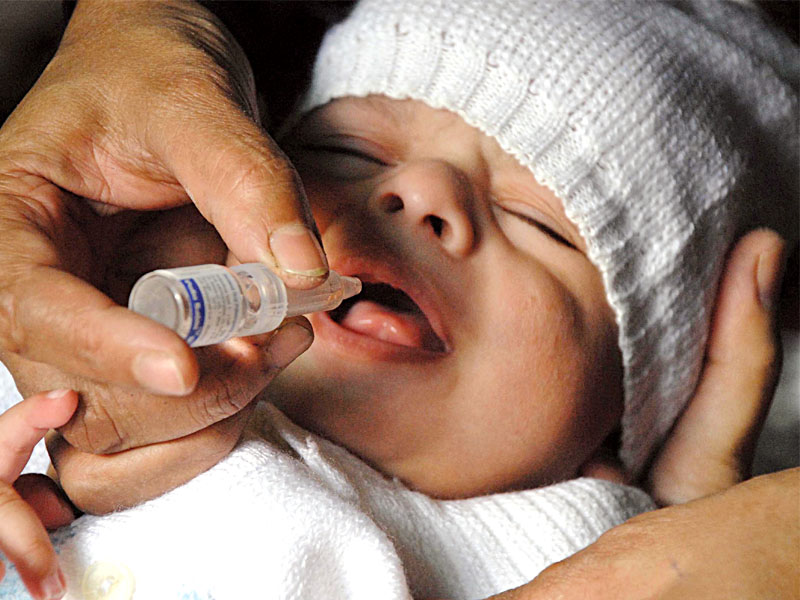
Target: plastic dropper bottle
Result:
[[208, 304]]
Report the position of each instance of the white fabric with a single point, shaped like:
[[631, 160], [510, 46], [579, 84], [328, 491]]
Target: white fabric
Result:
[[289, 515], [220, 537], [665, 127]]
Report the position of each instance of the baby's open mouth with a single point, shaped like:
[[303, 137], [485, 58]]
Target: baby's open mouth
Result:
[[386, 313]]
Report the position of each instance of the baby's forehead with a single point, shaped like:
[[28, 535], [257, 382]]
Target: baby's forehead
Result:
[[409, 121]]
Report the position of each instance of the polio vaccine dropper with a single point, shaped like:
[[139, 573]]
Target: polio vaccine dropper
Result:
[[208, 304]]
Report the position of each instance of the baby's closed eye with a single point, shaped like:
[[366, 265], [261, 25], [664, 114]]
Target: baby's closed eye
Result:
[[342, 158], [522, 214]]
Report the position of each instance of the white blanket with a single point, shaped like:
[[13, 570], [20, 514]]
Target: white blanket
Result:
[[289, 515], [314, 522]]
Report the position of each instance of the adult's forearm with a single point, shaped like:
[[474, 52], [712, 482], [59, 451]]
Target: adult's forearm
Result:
[[741, 543]]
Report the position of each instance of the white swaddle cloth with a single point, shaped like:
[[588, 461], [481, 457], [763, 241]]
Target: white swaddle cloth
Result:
[[291, 515]]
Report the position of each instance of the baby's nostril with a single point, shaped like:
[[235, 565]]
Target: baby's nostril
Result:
[[392, 203], [436, 223]]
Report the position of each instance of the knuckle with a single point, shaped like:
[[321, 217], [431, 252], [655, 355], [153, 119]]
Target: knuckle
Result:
[[89, 342], [225, 400], [193, 86], [94, 428], [759, 362], [37, 550], [265, 171], [283, 176], [218, 57], [554, 573], [248, 180], [629, 534], [766, 356], [34, 547], [762, 350], [84, 480], [565, 579]]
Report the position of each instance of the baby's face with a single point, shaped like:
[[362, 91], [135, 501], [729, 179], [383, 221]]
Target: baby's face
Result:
[[482, 354]]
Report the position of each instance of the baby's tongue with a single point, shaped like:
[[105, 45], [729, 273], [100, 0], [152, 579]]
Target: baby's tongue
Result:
[[381, 322]]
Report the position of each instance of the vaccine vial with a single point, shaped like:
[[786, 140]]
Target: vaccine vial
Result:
[[208, 304]]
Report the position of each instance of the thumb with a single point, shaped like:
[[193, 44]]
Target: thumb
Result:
[[712, 445], [246, 187]]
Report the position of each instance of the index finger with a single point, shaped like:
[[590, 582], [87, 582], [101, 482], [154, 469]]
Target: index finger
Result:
[[53, 317], [243, 183], [24, 541], [24, 424], [49, 315]]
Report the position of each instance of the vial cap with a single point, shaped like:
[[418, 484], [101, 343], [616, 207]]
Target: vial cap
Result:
[[157, 299]]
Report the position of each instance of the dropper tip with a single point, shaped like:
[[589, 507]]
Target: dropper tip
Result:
[[350, 286]]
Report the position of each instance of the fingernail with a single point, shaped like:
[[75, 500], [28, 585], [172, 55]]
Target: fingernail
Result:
[[298, 251], [54, 586], [769, 274], [56, 394], [159, 373], [289, 342]]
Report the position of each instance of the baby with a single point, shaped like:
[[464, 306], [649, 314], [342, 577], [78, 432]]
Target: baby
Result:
[[538, 197]]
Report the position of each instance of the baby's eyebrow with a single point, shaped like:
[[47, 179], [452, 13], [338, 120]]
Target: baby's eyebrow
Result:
[[378, 111], [329, 120]]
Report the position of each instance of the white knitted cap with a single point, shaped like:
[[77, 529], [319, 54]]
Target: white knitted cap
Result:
[[662, 126]]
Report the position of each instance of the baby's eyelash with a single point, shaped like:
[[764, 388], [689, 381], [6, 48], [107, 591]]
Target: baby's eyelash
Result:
[[344, 150], [541, 227]]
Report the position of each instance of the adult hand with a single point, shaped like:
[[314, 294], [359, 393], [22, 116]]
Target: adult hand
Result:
[[727, 540], [146, 106], [741, 543], [711, 447], [23, 538]]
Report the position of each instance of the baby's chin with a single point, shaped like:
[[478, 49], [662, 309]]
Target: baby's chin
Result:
[[451, 474], [452, 436], [439, 481]]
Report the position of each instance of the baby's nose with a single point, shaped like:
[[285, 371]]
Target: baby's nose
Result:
[[434, 199]]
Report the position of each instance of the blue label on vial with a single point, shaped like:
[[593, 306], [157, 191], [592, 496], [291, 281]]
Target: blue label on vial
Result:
[[198, 308]]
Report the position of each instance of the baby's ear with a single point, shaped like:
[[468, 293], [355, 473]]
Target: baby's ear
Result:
[[604, 462]]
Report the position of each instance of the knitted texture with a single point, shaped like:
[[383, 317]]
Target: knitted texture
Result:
[[664, 128], [476, 547], [290, 516]]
